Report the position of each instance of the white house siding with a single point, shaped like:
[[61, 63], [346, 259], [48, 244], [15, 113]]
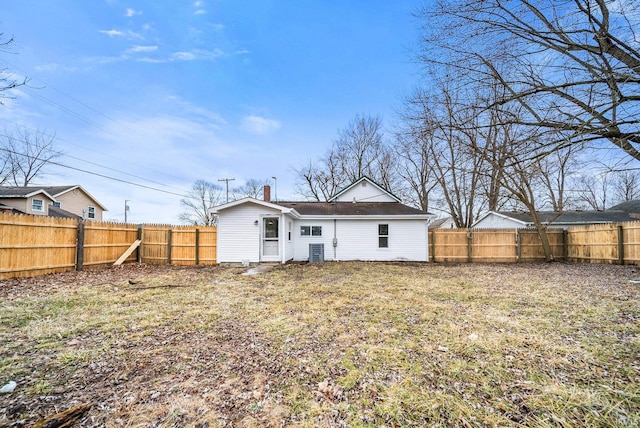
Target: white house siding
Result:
[[493, 221], [238, 235], [358, 240], [302, 242], [289, 226], [365, 191]]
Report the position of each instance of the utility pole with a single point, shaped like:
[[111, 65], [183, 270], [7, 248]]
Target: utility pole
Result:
[[126, 210], [227, 180], [275, 187]]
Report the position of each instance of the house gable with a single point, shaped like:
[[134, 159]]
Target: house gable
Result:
[[26, 199], [364, 190]]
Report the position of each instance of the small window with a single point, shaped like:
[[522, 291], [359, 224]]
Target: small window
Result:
[[37, 205], [383, 236], [316, 230], [305, 230], [57, 204], [92, 212]]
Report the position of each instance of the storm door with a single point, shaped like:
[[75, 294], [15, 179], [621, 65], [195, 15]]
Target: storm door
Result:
[[270, 239]]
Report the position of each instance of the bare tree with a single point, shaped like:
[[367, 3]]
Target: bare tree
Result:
[[27, 155], [626, 186], [203, 196], [593, 191], [7, 80], [573, 65], [414, 166], [252, 188], [556, 169], [359, 150]]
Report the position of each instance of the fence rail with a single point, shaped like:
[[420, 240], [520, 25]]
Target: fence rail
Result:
[[602, 243], [34, 245]]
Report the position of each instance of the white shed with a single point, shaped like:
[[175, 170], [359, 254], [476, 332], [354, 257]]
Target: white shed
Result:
[[362, 222]]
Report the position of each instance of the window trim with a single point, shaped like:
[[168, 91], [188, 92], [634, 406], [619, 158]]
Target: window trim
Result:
[[383, 237], [89, 209], [41, 208], [310, 231]]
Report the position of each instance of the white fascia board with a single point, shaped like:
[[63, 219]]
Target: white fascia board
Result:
[[367, 217], [283, 210], [506, 217]]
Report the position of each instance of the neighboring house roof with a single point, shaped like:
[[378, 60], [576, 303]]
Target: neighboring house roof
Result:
[[60, 190], [632, 207], [360, 180], [435, 224], [626, 211], [60, 213], [4, 207], [23, 192]]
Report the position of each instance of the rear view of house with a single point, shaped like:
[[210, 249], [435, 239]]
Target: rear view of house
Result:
[[362, 222]]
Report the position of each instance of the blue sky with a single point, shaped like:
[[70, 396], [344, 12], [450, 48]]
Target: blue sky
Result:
[[163, 93]]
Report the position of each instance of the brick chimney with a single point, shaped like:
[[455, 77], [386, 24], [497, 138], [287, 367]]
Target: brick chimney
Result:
[[267, 193]]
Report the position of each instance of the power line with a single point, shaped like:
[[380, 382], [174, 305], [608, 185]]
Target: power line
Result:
[[101, 175], [99, 153], [82, 117]]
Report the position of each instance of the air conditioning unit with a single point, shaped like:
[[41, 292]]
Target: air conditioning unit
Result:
[[316, 253]]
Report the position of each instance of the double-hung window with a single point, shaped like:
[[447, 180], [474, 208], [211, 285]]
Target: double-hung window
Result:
[[37, 205], [91, 213], [383, 236], [310, 230]]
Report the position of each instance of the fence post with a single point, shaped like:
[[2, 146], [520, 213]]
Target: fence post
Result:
[[469, 244], [518, 246], [80, 246], [138, 251], [433, 245], [620, 245], [169, 246], [565, 244], [197, 247]]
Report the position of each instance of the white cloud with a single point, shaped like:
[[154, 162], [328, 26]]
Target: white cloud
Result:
[[112, 33], [199, 6], [54, 66], [183, 56], [118, 33], [194, 55], [138, 48], [259, 125], [131, 12]]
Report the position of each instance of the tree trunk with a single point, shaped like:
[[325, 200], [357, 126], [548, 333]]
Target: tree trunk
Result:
[[544, 239]]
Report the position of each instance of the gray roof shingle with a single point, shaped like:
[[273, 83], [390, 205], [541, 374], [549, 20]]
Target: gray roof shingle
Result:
[[352, 209]]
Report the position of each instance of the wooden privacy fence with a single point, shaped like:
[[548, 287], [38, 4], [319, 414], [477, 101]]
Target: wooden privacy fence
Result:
[[602, 243], [34, 245]]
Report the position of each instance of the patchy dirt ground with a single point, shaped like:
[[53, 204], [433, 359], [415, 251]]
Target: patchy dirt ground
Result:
[[339, 344]]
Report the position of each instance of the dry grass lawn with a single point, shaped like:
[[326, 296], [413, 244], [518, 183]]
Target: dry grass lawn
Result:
[[339, 344]]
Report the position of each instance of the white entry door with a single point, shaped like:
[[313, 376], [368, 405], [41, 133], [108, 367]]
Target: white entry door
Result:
[[270, 239]]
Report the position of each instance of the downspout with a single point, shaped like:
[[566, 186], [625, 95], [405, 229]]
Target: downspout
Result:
[[283, 230], [335, 239]]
